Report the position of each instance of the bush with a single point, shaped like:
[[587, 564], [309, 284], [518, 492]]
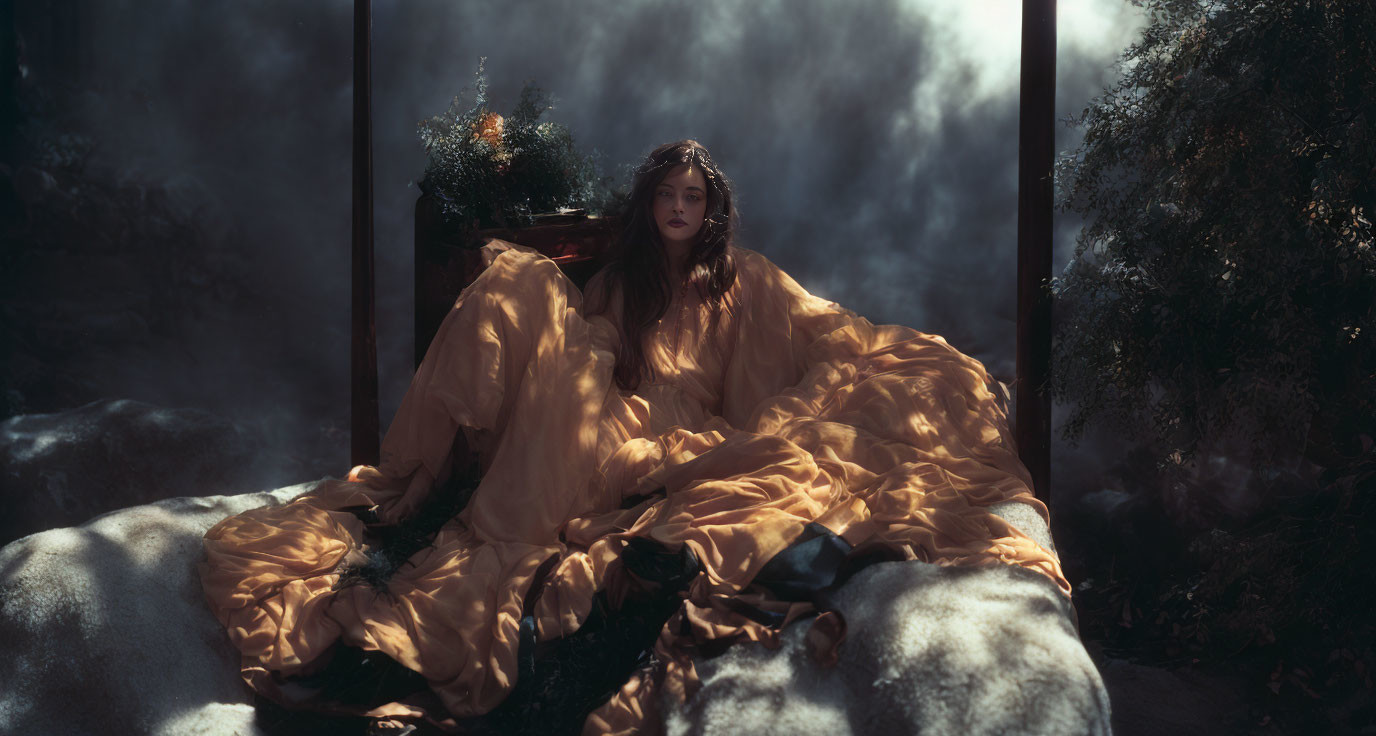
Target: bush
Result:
[[488, 170], [1226, 279]]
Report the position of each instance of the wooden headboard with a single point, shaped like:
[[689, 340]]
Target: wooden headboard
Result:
[[447, 257]]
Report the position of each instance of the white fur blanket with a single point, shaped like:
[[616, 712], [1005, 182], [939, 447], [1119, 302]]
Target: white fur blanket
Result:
[[103, 629]]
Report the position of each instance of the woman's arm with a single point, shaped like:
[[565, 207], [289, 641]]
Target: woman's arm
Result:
[[777, 321], [601, 295]]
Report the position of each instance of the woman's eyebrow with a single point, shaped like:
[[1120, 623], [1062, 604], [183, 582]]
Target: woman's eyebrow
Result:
[[697, 189]]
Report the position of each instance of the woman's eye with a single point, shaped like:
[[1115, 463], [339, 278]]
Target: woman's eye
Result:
[[694, 197]]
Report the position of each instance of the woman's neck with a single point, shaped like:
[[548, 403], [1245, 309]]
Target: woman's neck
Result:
[[677, 256]]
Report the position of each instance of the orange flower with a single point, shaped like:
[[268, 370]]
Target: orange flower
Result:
[[489, 128]]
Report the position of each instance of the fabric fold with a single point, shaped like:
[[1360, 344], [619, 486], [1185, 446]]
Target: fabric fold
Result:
[[787, 412]]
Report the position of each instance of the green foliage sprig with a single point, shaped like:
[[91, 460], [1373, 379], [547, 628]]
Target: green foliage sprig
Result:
[[1226, 278], [488, 170]]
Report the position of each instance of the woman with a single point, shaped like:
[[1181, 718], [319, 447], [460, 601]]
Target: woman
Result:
[[670, 439]]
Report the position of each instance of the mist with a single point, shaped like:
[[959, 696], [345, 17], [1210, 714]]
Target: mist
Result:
[[873, 147]]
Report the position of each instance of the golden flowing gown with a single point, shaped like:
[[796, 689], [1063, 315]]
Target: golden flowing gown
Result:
[[789, 410]]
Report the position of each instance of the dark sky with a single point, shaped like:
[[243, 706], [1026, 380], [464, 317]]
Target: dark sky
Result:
[[873, 145]]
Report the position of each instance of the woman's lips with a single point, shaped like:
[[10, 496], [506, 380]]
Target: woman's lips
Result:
[[677, 223]]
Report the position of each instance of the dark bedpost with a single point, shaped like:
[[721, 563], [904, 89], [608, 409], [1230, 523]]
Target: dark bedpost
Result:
[[9, 82], [1036, 154], [364, 429]]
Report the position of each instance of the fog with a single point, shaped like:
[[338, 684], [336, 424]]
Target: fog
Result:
[[873, 147]]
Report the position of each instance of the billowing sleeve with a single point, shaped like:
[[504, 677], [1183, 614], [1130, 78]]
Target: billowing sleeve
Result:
[[777, 322], [514, 367], [801, 362], [474, 360]]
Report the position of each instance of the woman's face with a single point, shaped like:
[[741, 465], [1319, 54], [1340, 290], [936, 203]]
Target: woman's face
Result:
[[680, 204]]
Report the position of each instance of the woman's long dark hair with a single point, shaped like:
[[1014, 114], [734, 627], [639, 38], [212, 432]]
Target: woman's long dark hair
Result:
[[639, 267]]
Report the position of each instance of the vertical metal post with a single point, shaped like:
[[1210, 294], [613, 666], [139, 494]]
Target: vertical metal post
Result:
[[1036, 156], [364, 428]]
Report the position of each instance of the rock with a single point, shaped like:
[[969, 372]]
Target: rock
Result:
[[63, 468], [929, 650], [106, 624], [104, 627]]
